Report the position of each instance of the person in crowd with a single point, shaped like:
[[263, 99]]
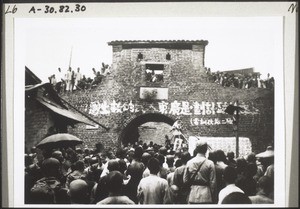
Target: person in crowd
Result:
[[83, 83], [230, 159], [189, 181], [58, 155], [163, 151], [78, 77], [115, 189], [203, 185], [33, 172], [167, 141], [152, 189], [242, 81], [220, 167], [171, 196], [97, 78], [68, 79], [230, 176], [170, 169], [79, 192], [211, 156], [236, 198], [52, 80], [135, 170], [265, 189], [251, 159], [45, 190], [29, 181], [241, 164], [60, 82], [153, 77], [73, 77], [178, 136], [183, 190], [101, 189], [148, 74], [79, 153], [94, 171], [77, 173], [246, 180], [163, 171], [145, 158], [267, 161]]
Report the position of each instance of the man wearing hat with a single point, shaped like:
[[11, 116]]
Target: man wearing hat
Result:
[[200, 173], [267, 161]]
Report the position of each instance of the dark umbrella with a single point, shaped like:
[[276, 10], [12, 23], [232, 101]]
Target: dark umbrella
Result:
[[59, 140]]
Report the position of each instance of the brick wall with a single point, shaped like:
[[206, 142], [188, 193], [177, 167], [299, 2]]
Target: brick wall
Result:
[[37, 122]]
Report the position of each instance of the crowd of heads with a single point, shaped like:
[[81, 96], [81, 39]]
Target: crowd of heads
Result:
[[141, 173], [240, 80], [74, 80]]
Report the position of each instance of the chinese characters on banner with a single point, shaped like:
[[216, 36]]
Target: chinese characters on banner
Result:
[[194, 109]]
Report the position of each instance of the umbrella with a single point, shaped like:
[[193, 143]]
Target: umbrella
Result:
[[59, 140]]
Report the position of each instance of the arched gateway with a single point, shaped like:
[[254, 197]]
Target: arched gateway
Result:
[[130, 133]]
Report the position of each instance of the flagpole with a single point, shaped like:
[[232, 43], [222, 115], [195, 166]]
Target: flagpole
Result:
[[70, 57]]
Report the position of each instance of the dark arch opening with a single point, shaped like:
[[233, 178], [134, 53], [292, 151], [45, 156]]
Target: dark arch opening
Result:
[[130, 132]]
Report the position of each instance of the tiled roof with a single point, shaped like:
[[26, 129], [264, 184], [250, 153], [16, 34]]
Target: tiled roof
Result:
[[116, 42], [64, 112]]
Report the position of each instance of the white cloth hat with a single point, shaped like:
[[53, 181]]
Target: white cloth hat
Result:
[[268, 153]]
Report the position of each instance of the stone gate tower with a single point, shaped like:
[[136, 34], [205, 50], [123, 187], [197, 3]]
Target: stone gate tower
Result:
[[160, 53], [161, 81]]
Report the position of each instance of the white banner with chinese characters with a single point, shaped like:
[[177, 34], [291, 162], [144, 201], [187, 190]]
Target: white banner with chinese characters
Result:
[[176, 108], [227, 144]]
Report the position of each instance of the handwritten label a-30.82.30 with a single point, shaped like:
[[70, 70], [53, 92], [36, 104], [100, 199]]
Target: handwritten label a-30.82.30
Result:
[[58, 9]]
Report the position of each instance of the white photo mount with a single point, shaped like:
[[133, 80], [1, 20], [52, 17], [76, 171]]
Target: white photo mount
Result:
[[18, 18]]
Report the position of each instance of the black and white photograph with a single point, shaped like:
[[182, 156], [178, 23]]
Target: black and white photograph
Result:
[[141, 110]]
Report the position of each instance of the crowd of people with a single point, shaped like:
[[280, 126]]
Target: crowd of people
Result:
[[144, 173], [239, 80], [72, 81]]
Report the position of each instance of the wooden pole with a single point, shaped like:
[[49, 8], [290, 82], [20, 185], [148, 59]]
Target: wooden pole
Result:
[[237, 131], [70, 57]]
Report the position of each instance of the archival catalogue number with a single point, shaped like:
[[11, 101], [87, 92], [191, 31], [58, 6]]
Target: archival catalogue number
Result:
[[59, 9]]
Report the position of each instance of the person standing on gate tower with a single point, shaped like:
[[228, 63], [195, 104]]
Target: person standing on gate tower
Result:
[[177, 134]]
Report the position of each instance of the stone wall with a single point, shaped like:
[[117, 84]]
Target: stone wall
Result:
[[195, 56], [116, 102]]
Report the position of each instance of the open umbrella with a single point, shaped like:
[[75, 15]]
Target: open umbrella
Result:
[[59, 140]]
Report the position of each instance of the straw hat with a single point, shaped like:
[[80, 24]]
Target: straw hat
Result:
[[268, 153]]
